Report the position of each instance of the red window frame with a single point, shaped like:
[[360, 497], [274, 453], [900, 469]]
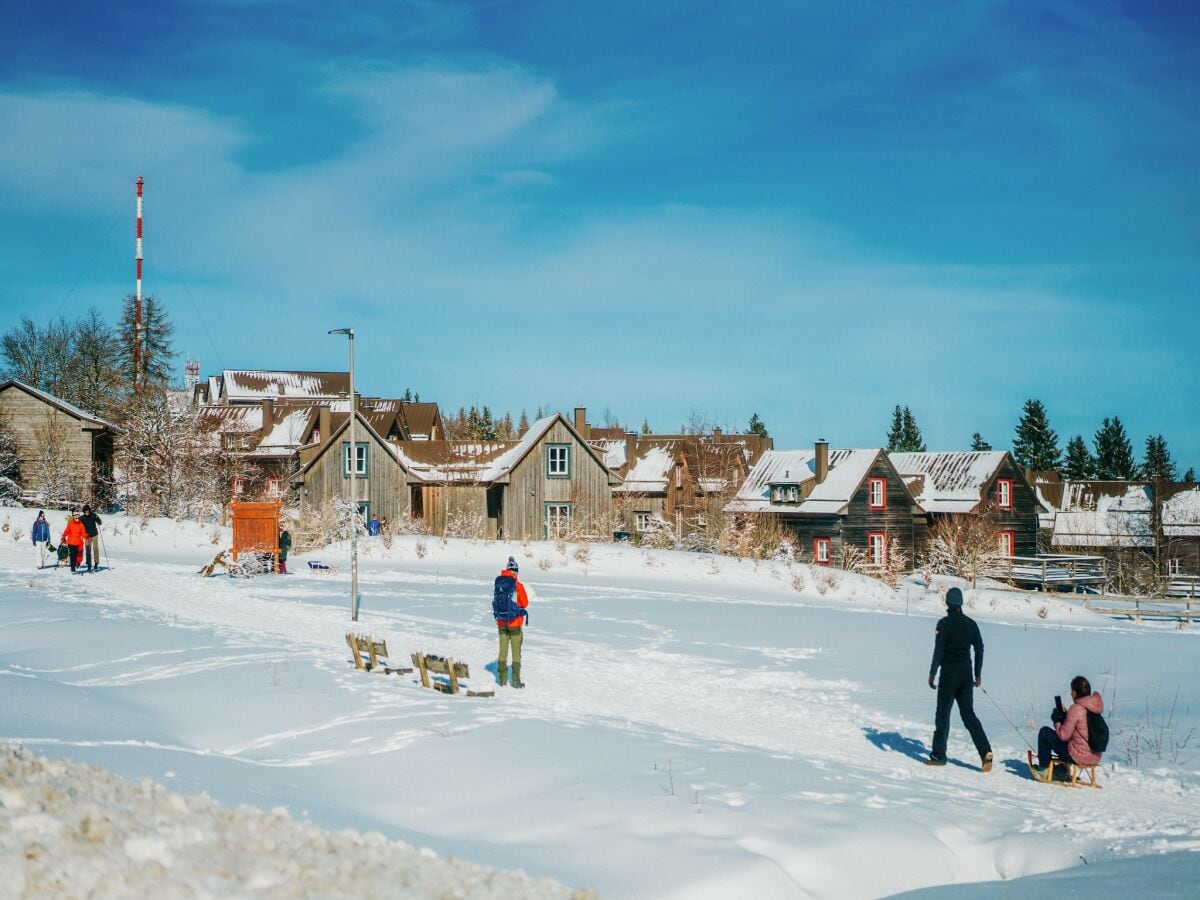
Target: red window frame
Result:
[[1009, 538], [871, 504], [826, 544], [883, 541], [237, 485], [1007, 482]]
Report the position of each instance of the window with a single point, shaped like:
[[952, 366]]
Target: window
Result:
[[641, 521], [1004, 493], [274, 487], [877, 548], [877, 497], [360, 461], [1006, 542], [558, 519], [238, 486], [238, 441], [558, 460], [785, 493], [1174, 567], [822, 550], [364, 510]]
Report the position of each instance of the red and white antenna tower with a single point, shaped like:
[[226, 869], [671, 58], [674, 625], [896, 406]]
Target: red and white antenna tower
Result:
[[137, 303], [191, 373]]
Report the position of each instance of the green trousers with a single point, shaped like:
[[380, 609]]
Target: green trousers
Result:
[[509, 635]]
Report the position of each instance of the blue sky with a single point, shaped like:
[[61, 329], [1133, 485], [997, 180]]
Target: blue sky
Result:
[[651, 209]]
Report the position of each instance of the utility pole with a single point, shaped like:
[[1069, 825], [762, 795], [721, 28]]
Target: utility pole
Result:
[[137, 303]]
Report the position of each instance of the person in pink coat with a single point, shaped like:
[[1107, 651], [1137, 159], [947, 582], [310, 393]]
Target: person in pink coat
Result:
[[1068, 739]]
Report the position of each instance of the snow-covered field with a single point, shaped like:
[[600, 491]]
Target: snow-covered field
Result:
[[692, 727]]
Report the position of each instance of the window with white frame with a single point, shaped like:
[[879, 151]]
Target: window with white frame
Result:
[[238, 486], [877, 548], [1004, 493], [1006, 542], [877, 493], [558, 519], [1175, 566], [822, 550], [274, 487], [641, 521], [360, 460], [558, 460]]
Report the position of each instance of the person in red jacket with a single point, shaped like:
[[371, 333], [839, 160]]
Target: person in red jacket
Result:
[[1068, 739], [508, 604], [74, 536]]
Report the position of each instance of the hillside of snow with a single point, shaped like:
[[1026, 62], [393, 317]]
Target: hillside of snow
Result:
[[693, 726]]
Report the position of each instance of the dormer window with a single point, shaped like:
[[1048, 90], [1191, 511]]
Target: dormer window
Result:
[[785, 493], [1004, 493], [877, 496]]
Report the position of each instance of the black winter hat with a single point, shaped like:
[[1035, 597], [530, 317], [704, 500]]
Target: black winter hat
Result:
[[954, 597], [512, 564]]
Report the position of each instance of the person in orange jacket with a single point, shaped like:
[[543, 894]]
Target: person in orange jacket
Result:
[[509, 602], [74, 536]]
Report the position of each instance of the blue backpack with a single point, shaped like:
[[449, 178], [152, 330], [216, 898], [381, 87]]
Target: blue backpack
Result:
[[504, 600]]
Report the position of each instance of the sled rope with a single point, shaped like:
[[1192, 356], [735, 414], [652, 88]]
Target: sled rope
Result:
[[1024, 740]]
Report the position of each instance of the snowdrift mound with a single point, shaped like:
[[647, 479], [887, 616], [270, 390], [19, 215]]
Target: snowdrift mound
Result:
[[71, 830]]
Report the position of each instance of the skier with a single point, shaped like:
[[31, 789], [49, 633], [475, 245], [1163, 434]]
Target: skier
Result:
[[285, 544], [509, 601], [91, 526], [41, 537], [72, 538], [956, 634], [1068, 739]]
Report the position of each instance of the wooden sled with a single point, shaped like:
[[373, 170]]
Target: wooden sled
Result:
[[1063, 773], [233, 568], [320, 568]]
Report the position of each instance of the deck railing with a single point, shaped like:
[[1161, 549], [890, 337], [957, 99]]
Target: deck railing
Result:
[[1056, 571]]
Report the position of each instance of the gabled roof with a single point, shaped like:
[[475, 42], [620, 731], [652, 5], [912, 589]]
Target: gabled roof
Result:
[[333, 440], [711, 460], [253, 385], [420, 419], [1119, 514], [89, 420], [948, 482], [847, 469]]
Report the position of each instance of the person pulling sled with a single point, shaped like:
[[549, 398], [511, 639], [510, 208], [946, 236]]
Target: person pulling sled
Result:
[[509, 602], [956, 635]]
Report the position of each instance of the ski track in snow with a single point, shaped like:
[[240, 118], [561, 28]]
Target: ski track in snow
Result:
[[615, 659]]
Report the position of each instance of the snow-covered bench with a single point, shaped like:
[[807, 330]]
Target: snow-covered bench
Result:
[[439, 665], [362, 643]]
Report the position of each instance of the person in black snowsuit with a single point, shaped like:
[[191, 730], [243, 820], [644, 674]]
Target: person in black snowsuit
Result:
[[956, 635], [91, 546]]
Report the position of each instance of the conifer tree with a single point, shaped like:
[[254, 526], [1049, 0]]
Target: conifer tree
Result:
[[487, 425], [756, 426], [523, 425], [1079, 464], [1114, 452], [905, 435], [156, 351], [504, 430], [895, 436], [1190, 475], [913, 441], [1157, 462], [1036, 444], [978, 443], [408, 395], [645, 426]]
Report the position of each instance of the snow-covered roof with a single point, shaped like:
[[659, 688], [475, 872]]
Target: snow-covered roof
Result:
[[1098, 514], [289, 430], [847, 469], [612, 451], [650, 471], [1181, 513], [89, 419], [948, 482], [252, 386]]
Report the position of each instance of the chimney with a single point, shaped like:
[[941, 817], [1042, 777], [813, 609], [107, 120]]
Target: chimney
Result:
[[323, 423], [822, 459], [268, 417], [630, 448], [581, 424]]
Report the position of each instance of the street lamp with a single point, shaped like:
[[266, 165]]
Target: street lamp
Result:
[[353, 466]]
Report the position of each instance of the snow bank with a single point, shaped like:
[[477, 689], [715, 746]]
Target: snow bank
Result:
[[71, 830]]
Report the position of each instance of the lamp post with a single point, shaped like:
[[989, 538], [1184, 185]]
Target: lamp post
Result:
[[353, 466]]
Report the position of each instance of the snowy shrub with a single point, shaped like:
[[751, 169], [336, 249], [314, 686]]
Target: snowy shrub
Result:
[[544, 562], [420, 548], [583, 555], [825, 580], [785, 551], [464, 524], [897, 566], [799, 582], [320, 524], [561, 546], [1043, 613], [714, 567], [852, 559], [966, 546], [18, 533], [657, 534]]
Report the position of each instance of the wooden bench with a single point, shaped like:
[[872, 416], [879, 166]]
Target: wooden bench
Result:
[[428, 664], [360, 644], [1182, 608]]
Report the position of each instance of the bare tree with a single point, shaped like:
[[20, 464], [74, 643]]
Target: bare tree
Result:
[[52, 470], [965, 545]]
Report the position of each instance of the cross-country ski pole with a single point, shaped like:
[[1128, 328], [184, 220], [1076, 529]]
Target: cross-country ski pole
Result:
[[104, 548]]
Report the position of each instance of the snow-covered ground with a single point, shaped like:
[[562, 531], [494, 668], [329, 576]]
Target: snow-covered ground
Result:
[[692, 726]]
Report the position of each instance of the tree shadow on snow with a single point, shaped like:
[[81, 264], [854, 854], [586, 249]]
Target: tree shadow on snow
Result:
[[898, 743]]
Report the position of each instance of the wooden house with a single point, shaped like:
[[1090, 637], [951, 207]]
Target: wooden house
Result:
[[548, 484], [833, 500], [988, 483], [64, 453]]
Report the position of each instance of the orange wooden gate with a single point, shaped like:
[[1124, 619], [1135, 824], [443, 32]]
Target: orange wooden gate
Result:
[[256, 529]]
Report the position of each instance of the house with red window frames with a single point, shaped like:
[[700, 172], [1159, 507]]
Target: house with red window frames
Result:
[[986, 483], [830, 499]]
